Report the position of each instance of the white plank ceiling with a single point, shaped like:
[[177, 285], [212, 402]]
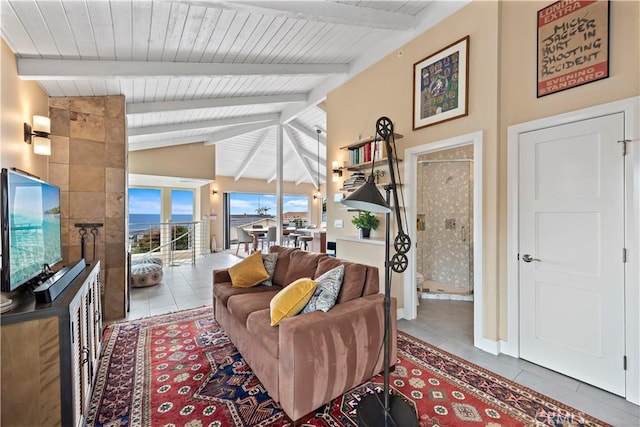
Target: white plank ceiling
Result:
[[214, 72]]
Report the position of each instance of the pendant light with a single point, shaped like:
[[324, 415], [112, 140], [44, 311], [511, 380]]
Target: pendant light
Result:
[[318, 194]]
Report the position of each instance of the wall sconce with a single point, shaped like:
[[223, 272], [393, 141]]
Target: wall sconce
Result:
[[337, 172], [215, 191], [39, 135]]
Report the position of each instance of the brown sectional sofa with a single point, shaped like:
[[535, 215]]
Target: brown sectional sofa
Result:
[[311, 358]]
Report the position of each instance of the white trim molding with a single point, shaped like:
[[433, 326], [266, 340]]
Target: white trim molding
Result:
[[630, 107]]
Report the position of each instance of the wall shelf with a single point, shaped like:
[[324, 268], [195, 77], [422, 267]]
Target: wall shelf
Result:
[[363, 141], [367, 165]]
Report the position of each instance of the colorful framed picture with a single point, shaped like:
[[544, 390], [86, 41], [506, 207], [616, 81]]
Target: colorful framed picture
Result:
[[573, 45], [440, 85]]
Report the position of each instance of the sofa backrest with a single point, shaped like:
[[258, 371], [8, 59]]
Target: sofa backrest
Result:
[[282, 263], [359, 279], [293, 263]]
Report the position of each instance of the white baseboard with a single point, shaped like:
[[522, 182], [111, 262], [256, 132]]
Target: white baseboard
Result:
[[509, 349], [487, 345]]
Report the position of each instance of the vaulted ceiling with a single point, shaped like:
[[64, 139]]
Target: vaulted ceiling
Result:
[[214, 72]]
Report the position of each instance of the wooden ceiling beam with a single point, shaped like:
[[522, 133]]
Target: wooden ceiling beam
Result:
[[72, 69], [252, 154], [195, 104], [296, 149], [204, 124], [232, 132], [308, 132]]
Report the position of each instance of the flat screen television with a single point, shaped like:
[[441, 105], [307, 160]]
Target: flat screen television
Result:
[[31, 238]]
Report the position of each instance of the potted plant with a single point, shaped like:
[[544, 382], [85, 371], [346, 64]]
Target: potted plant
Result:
[[365, 221]]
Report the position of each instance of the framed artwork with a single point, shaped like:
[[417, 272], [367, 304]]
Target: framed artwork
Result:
[[573, 45], [440, 85]]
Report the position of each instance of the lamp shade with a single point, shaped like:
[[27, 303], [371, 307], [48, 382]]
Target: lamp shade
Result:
[[41, 146], [41, 124], [367, 198]]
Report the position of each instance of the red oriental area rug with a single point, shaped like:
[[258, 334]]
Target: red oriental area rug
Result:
[[181, 370]]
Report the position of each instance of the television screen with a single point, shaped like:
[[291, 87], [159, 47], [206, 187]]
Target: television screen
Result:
[[30, 228]]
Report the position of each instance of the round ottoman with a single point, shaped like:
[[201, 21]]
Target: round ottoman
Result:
[[147, 260], [146, 274]]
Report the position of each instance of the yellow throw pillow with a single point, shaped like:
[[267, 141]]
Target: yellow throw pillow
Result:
[[290, 300], [248, 272]]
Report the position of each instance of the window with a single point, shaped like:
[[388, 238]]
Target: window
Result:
[[181, 205], [145, 208], [182, 214], [245, 209]]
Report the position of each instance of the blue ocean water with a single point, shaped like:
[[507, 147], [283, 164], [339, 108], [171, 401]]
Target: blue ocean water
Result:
[[34, 241], [142, 221]]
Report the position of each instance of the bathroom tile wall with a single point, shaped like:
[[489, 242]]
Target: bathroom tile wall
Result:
[[445, 191]]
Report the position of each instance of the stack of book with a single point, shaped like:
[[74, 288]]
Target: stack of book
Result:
[[354, 181]]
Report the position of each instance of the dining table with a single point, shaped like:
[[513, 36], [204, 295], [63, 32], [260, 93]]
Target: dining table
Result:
[[256, 233]]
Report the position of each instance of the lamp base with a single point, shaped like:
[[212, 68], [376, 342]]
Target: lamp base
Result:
[[371, 412]]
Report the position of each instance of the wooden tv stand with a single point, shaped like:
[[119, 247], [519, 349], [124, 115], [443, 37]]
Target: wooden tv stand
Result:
[[50, 353]]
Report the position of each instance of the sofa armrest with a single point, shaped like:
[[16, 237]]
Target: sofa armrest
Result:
[[221, 275], [322, 355]]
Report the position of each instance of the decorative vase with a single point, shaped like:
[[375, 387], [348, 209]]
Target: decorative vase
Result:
[[364, 233]]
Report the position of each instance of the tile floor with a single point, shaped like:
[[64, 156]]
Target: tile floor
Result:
[[449, 326], [182, 287], [445, 324]]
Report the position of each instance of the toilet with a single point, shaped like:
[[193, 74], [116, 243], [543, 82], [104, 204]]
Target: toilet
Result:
[[419, 284]]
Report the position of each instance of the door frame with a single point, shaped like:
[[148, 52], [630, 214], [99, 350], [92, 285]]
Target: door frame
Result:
[[630, 107], [411, 175]]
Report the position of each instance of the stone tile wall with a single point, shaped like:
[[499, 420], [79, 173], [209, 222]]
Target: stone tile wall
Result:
[[89, 163]]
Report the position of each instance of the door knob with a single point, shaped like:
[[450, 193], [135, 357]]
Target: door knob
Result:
[[529, 258]]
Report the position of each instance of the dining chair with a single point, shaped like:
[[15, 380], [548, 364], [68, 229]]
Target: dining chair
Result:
[[270, 237], [244, 237]]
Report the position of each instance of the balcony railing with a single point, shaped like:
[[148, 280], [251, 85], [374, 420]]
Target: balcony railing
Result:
[[174, 242]]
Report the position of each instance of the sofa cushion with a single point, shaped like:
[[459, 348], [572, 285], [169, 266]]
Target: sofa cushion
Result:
[[353, 280], [326, 293], [241, 306], [269, 261], [259, 325], [248, 272], [302, 264], [223, 291], [290, 300], [282, 265]]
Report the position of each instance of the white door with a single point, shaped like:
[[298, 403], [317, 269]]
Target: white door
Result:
[[572, 226]]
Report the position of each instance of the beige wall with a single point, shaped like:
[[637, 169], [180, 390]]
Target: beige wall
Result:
[[354, 108], [502, 92], [187, 161], [518, 90], [20, 101], [226, 184]]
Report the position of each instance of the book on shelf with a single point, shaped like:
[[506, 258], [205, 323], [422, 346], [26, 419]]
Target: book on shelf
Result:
[[368, 152]]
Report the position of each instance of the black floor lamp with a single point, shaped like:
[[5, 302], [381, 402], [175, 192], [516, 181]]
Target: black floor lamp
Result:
[[388, 409]]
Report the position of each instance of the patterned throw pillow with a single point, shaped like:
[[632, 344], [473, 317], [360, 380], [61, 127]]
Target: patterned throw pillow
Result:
[[269, 261], [327, 291]]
